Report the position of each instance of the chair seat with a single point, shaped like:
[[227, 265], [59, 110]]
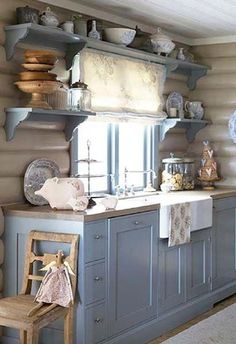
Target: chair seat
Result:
[[13, 310]]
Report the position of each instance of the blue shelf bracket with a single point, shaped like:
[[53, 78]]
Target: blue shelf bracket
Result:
[[194, 76], [13, 37], [13, 120], [14, 116], [166, 126], [192, 127]]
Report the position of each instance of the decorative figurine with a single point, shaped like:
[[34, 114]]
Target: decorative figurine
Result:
[[208, 170]]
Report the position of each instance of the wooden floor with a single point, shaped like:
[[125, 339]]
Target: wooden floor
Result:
[[218, 307]]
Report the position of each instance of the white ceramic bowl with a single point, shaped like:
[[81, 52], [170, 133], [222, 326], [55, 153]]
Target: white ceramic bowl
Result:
[[121, 36]]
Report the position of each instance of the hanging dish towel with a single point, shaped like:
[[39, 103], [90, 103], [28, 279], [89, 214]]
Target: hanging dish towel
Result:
[[180, 223]]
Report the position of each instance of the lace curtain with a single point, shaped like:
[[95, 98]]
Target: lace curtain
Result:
[[123, 86]]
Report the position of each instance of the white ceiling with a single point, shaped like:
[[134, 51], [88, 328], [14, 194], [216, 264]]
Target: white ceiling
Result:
[[195, 21], [190, 18]]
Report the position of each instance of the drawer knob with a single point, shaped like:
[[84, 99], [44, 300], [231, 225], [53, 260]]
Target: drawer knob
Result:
[[97, 279], [98, 236], [136, 223], [98, 320]]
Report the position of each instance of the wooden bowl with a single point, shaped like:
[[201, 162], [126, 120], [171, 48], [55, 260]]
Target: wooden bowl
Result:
[[51, 60], [31, 76], [38, 66], [38, 90], [32, 53]]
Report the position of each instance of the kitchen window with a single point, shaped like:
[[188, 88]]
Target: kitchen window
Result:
[[114, 147]]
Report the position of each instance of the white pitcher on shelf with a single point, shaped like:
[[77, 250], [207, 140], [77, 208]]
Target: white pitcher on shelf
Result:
[[195, 109]]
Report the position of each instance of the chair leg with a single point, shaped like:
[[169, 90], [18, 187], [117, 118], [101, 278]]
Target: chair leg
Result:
[[23, 337], [32, 336], [68, 327]]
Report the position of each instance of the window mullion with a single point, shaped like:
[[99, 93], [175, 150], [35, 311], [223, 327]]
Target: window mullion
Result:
[[114, 157]]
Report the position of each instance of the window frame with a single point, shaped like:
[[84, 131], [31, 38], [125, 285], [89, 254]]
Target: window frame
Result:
[[151, 140]]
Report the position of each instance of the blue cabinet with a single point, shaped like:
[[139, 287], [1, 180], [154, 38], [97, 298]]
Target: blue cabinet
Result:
[[172, 272], [132, 270], [199, 263], [224, 242]]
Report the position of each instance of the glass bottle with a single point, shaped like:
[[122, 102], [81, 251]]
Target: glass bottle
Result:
[[94, 33], [79, 97]]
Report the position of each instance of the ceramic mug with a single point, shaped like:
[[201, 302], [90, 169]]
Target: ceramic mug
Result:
[[68, 26]]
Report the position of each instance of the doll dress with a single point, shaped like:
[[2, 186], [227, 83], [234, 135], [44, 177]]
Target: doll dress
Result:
[[56, 287]]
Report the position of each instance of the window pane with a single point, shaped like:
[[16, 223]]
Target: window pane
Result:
[[131, 153], [96, 135]]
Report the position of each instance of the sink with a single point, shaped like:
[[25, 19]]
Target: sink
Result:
[[201, 213]]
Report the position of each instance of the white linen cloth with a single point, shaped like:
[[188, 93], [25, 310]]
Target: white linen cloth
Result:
[[179, 225]]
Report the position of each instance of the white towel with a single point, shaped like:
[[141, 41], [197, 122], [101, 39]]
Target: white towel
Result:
[[180, 224]]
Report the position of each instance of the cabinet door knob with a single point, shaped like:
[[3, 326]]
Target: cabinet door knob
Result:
[[98, 320], [98, 236], [97, 279]]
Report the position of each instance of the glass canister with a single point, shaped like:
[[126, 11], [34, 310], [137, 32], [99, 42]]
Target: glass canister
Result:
[[79, 97], [188, 174], [172, 173]]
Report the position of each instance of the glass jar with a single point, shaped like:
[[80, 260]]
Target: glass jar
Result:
[[172, 173], [79, 97], [189, 174]]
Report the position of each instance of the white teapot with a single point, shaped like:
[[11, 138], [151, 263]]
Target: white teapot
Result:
[[195, 109], [49, 18]]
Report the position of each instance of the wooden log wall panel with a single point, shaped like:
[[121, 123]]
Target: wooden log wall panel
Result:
[[32, 139], [11, 190], [220, 65], [14, 164], [1, 222], [217, 90]]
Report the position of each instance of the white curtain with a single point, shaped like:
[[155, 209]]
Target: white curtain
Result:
[[122, 86]]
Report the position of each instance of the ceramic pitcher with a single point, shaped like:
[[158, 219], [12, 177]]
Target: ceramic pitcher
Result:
[[195, 109]]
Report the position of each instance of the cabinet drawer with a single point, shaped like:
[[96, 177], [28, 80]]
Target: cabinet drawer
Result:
[[95, 237], [95, 283], [95, 324], [136, 220]]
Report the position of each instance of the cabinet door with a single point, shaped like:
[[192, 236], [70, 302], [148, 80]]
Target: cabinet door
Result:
[[198, 263], [132, 270], [172, 272], [223, 240]]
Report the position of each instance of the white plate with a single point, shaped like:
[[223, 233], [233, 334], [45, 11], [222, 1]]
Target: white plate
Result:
[[36, 174], [175, 100]]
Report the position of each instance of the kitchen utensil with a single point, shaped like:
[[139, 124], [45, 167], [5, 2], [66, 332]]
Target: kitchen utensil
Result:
[[37, 66], [79, 97], [161, 43], [195, 109], [30, 76], [27, 15], [49, 18], [121, 36], [38, 89], [175, 100], [36, 174]]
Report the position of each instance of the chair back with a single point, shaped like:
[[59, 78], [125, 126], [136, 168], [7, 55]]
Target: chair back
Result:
[[47, 258]]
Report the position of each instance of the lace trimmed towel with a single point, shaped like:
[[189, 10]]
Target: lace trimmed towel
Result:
[[180, 223]]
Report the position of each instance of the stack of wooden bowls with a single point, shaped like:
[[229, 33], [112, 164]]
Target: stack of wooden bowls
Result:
[[37, 80]]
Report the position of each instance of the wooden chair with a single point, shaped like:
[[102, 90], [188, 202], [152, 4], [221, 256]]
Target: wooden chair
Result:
[[14, 310]]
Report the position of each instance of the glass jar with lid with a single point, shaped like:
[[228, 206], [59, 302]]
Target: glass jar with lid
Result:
[[188, 174], [79, 97], [172, 173]]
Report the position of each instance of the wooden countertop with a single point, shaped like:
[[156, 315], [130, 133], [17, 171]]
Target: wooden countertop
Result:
[[124, 206]]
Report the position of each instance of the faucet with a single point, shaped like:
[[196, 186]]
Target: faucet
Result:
[[126, 171]]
